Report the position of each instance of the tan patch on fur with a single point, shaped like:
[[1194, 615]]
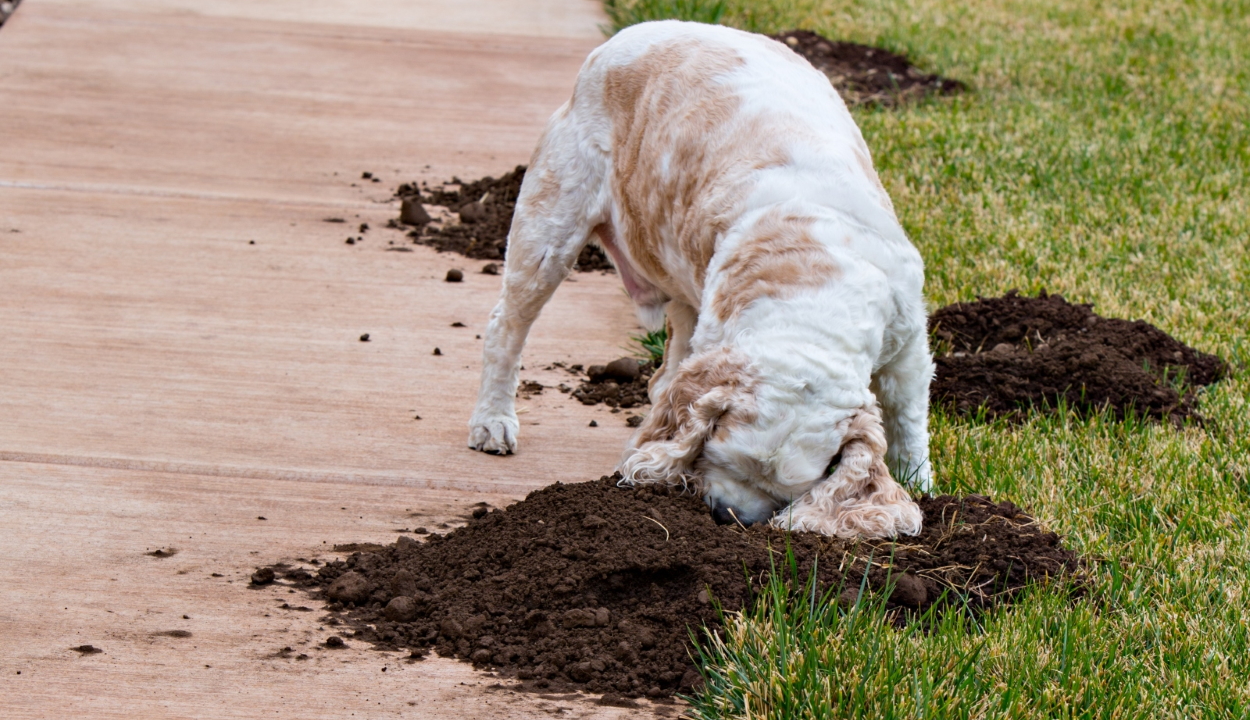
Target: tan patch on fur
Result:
[[670, 110], [722, 369], [778, 260]]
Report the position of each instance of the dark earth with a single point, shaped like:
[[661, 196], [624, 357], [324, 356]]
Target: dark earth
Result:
[[596, 588], [866, 75], [621, 383], [1011, 353], [1003, 356], [484, 208]]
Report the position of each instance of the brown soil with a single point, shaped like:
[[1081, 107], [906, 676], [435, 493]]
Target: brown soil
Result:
[[611, 388], [866, 75], [485, 209], [1010, 353], [596, 588]]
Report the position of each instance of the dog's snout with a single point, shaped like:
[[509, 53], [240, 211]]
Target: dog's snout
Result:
[[725, 515]]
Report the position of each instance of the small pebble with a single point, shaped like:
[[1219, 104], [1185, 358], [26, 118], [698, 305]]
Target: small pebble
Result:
[[454, 275], [437, 351], [334, 641], [364, 338], [490, 269], [594, 424]]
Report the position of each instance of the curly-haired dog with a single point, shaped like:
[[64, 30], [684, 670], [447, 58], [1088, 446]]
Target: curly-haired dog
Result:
[[737, 198]]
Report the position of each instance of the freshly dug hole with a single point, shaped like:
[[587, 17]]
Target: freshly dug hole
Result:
[[596, 588], [1011, 353]]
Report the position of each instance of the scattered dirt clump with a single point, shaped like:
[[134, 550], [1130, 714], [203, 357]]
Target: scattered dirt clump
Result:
[[621, 383], [1010, 353], [866, 75], [596, 588], [484, 208]]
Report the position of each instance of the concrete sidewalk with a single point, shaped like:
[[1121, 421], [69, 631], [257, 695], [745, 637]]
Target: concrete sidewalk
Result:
[[182, 354]]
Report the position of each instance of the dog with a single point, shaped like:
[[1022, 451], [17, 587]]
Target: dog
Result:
[[737, 199]]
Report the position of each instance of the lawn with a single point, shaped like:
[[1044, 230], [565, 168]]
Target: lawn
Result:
[[1103, 153]]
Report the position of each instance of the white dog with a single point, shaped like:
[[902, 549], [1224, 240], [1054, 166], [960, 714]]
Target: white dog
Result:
[[736, 196]]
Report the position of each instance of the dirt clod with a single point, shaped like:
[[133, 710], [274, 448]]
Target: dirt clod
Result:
[[621, 383], [263, 576], [866, 75], [412, 212], [334, 642], [87, 649], [1044, 350], [484, 208], [490, 269], [454, 275], [364, 337], [580, 587]]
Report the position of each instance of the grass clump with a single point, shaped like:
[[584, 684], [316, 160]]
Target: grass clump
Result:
[[650, 345], [623, 13]]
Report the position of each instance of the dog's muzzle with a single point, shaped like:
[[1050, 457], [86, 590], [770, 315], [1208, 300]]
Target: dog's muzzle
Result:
[[726, 515]]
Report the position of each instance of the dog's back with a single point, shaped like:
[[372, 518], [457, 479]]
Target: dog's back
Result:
[[702, 127]]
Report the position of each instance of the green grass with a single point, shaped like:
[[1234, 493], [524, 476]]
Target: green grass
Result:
[[1103, 153], [650, 346]]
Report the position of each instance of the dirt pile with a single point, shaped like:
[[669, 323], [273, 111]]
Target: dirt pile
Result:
[[1011, 353], [866, 75], [594, 587], [484, 209], [621, 383]]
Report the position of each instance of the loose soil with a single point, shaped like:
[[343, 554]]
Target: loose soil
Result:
[[866, 75], [1011, 353], [596, 588], [612, 388], [484, 208]]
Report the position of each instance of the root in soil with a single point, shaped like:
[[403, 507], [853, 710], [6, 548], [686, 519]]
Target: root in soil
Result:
[[866, 75], [484, 208], [597, 588], [1011, 353]]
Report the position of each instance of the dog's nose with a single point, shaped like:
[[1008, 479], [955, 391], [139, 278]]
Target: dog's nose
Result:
[[725, 515]]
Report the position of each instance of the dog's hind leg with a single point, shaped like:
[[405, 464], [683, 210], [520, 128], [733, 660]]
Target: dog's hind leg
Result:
[[562, 199], [902, 390]]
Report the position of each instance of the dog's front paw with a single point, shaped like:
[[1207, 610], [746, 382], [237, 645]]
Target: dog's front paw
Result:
[[494, 434]]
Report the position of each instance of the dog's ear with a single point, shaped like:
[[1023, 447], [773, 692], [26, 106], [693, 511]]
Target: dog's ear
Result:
[[860, 498], [708, 390]]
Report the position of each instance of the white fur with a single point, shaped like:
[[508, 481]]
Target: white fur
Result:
[[839, 366]]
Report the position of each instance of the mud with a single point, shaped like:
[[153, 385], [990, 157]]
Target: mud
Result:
[[866, 75], [595, 588], [483, 215], [1011, 353]]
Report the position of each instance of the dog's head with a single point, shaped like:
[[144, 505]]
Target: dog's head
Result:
[[749, 442]]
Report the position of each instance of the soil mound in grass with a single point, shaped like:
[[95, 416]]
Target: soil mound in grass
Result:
[[1010, 353], [865, 75], [484, 208], [597, 588]]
